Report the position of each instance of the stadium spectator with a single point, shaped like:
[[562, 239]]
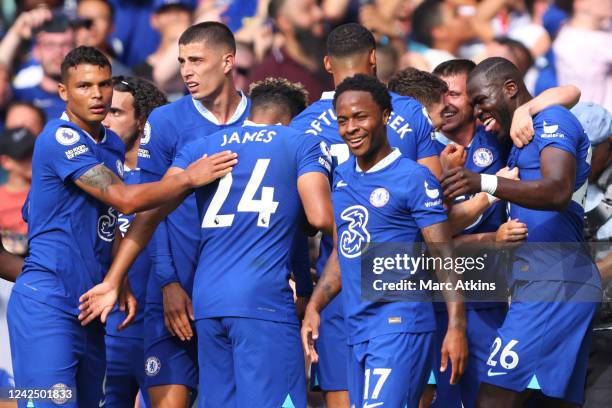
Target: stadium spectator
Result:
[[25, 114], [580, 53], [437, 26], [512, 50], [387, 61], [95, 28], [5, 92], [300, 57], [53, 40], [16, 148], [170, 19], [243, 63]]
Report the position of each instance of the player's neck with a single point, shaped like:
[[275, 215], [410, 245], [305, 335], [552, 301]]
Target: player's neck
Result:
[[367, 161], [93, 129], [350, 69], [16, 183], [223, 104], [131, 154], [462, 135]]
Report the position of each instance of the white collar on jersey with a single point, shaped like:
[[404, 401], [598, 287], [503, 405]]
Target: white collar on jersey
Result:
[[211, 118], [391, 157], [67, 119], [446, 141], [251, 123], [328, 95]]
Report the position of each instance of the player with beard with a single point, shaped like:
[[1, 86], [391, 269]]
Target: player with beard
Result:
[[133, 100], [380, 196], [75, 195], [485, 155], [544, 341]]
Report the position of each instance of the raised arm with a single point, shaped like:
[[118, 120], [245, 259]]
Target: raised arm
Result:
[[105, 186]]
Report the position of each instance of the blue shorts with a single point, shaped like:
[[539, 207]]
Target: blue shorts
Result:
[[250, 363], [390, 370], [49, 347], [482, 325], [330, 374], [125, 373], [168, 359], [543, 345]]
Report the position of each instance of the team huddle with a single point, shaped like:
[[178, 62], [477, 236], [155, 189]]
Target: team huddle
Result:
[[191, 298]]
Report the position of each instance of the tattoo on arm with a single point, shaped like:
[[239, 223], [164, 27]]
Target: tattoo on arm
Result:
[[98, 177]]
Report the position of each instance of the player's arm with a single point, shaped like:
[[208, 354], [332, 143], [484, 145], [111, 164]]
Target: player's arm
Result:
[[605, 267], [509, 232], [522, 130], [105, 186], [455, 341], [433, 164], [315, 195], [10, 265], [326, 289], [552, 192]]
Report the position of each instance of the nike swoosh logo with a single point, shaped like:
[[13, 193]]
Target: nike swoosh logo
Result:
[[368, 405], [341, 184], [493, 373]]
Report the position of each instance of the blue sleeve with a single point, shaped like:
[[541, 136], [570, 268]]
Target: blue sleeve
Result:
[[67, 153], [556, 132], [424, 135], [158, 144], [312, 155], [424, 198], [159, 248], [300, 265], [190, 153]]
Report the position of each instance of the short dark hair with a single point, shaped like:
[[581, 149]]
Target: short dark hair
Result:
[[349, 39], [425, 18], [211, 32], [39, 112], [280, 93], [365, 83], [454, 67], [497, 70], [420, 85], [146, 95], [83, 55]]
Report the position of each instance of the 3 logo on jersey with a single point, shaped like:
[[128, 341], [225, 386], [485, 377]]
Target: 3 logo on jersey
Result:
[[355, 235], [106, 225]]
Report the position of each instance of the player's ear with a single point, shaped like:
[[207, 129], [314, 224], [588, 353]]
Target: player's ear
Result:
[[510, 88], [62, 91], [228, 62], [327, 64], [372, 58]]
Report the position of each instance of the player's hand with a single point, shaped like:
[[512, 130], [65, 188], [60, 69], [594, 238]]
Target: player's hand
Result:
[[511, 231], [521, 130], [454, 347], [507, 172], [209, 168], [178, 311], [460, 181], [452, 156], [127, 304], [300, 306], [310, 333], [98, 301]]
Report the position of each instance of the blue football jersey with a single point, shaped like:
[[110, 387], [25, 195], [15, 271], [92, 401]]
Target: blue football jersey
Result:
[[390, 203], [138, 275], [485, 155], [408, 129], [70, 233], [248, 220], [558, 128], [174, 247]]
